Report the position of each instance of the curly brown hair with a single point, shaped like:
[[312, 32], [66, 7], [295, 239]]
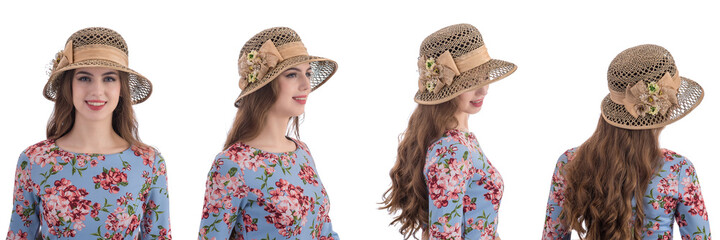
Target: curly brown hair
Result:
[[408, 193], [611, 168]]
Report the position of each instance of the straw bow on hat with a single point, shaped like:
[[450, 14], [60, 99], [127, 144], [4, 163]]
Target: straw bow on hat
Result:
[[272, 51], [96, 47], [454, 60], [646, 90]]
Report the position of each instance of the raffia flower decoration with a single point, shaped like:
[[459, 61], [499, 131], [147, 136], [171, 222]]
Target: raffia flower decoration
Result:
[[436, 73], [255, 64], [652, 98]]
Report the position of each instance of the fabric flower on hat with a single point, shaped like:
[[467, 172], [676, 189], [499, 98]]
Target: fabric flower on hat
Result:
[[435, 73], [254, 65], [651, 98]]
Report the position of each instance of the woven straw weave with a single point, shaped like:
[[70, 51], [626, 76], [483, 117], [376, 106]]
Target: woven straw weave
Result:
[[458, 40], [322, 68], [647, 63], [140, 87]]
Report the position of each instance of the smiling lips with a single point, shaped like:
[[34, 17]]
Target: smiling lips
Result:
[[95, 105], [477, 103], [300, 99]]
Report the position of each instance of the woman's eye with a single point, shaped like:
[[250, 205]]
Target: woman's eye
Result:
[[291, 75], [109, 79], [309, 74], [84, 79]]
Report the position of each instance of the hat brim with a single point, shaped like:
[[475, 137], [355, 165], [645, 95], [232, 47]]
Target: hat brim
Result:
[[322, 69], [475, 78], [140, 86], [689, 96]]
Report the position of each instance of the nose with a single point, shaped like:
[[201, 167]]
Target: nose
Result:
[[482, 91], [97, 87], [305, 82]]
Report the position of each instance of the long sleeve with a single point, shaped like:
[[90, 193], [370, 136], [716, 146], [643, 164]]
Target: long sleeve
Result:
[[225, 189], [25, 220], [691, 215], [447, 170], [156, 208], [554, 229]]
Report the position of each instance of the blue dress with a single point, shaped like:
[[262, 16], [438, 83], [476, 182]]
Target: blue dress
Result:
[[254, 194], [465, 189], [65, 195], [673, 195]]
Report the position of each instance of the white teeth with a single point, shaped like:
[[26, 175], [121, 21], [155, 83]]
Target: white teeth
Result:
[[96, 103], [301, 98], [477, 101]]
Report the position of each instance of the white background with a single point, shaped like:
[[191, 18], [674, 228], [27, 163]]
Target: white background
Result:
[[190, 51]]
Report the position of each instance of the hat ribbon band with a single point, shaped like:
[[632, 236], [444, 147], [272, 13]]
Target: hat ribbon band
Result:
[[465, 62], [92, 52], [638, 95], [285, 51]]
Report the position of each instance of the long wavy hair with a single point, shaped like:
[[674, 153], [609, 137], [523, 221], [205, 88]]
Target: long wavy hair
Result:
[[611, 168], [62, 118], [408, 193], [251, 114]]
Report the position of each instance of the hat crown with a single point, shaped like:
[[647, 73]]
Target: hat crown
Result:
[[646, 63], [458, 39], [98, 35], [279, 36]]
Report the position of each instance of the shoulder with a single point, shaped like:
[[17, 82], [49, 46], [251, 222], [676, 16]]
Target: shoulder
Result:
[[566, 157], [301, 145], [676, 164], [41, 148]]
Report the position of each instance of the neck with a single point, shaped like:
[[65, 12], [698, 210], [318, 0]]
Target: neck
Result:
[[92, 137], [272, 135], [462, 119]]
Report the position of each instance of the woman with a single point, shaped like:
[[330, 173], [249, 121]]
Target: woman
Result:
[[442, 183], [619, 184], [93, 177], [264, 184]]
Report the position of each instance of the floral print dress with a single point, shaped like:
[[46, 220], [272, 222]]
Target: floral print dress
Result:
[[254, 194], [465, 189], [673, 195], [65, 195]]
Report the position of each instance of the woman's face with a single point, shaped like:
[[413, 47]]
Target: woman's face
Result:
[[294, 85], [96, 92], [470, 102]]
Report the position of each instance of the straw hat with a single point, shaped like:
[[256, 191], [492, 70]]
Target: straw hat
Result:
[[96, 47], [272, 51], [454, 60], [646, 90]]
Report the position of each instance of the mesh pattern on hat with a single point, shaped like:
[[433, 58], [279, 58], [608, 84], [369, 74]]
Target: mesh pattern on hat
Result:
[[279, 36], [647, 63], [140, 87], [458, 40], [98, 35], [322, 68]]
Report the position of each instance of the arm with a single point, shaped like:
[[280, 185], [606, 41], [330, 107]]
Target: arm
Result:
[[448, 168], [225, 188], [554, 229], [156, 217], [25, 219], [691, 214]]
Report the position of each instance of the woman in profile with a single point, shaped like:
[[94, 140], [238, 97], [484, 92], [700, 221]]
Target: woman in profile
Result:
[[442, 183], [92, 178], [264, 184], [620, 184]]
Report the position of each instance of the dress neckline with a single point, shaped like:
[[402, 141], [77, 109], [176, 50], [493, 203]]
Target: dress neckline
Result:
[[297, 147], [54, 145]]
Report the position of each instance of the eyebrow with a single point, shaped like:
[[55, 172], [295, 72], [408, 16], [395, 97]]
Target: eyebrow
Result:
[[104, 74], [297, 69]]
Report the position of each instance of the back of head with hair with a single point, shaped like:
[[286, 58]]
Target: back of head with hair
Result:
[[613, 167]]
